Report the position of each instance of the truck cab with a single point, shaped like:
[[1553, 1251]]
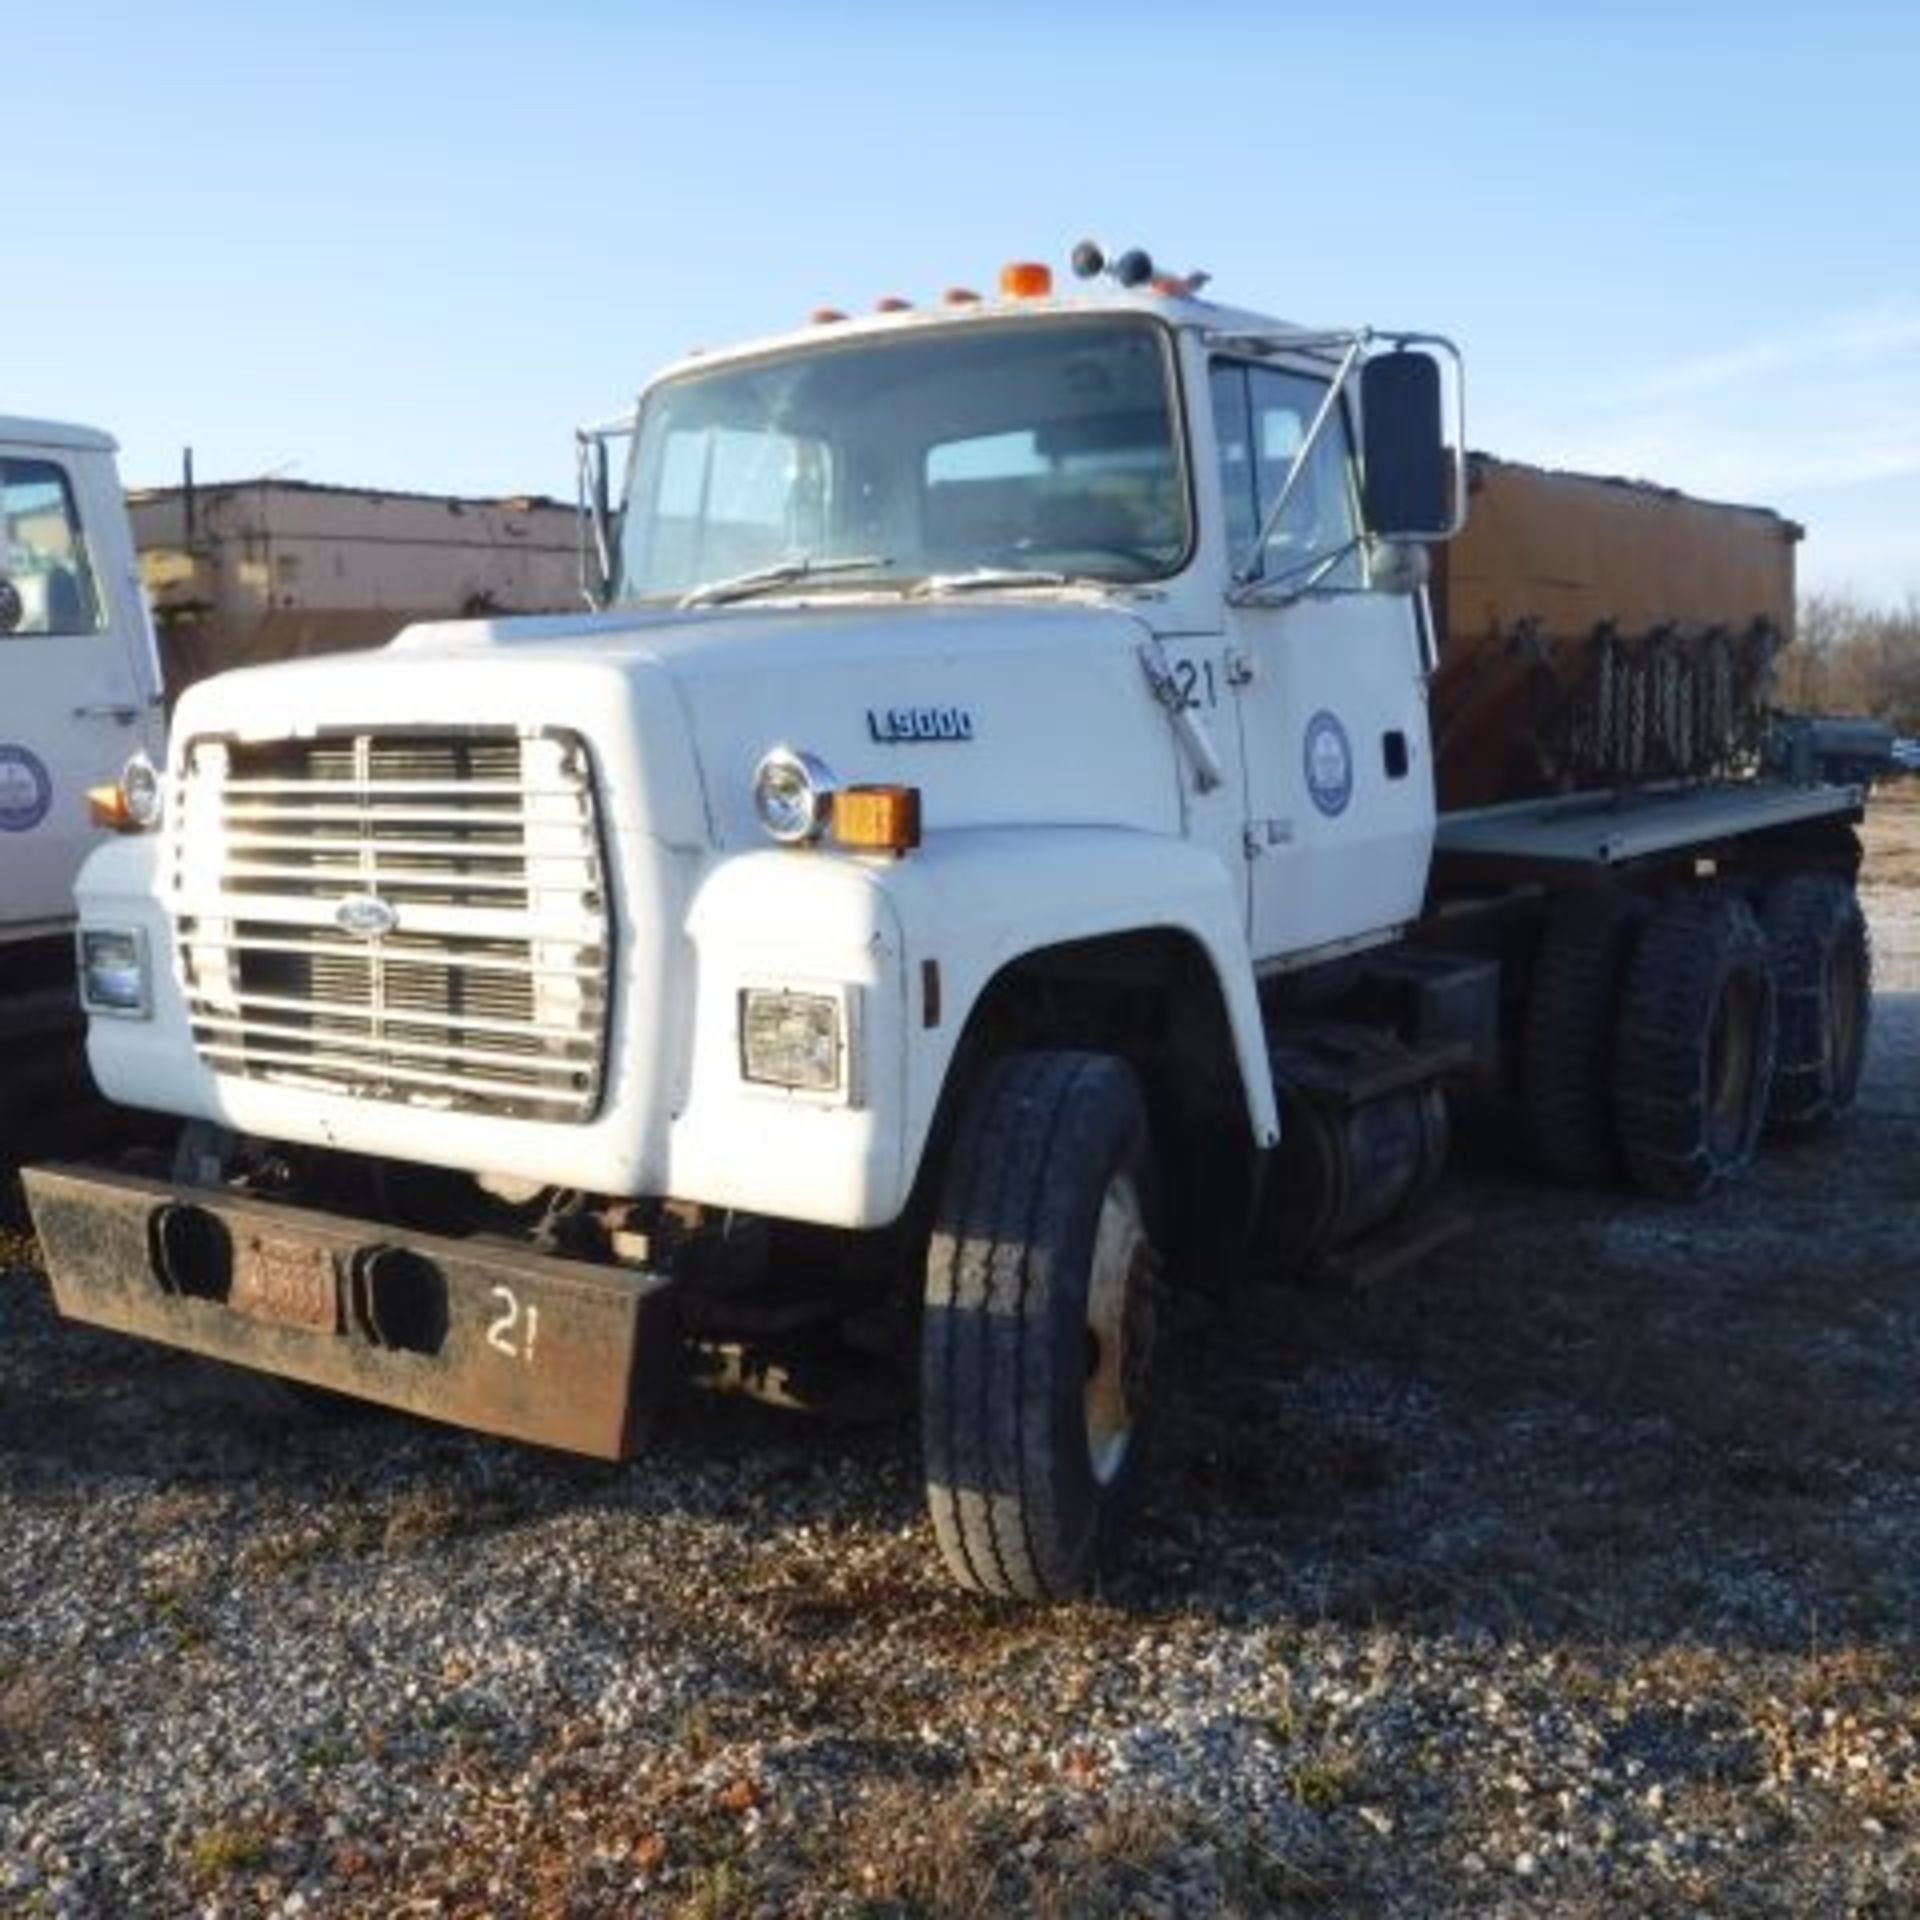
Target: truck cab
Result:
[[1124, 447]]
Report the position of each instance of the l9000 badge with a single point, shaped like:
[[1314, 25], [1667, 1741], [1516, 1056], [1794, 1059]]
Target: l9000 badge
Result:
[[912, 726]]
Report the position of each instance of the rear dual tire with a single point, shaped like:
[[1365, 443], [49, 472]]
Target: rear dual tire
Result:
[[1823, 977], [1566, 1049], [1694, 1051], [1652, 1031]]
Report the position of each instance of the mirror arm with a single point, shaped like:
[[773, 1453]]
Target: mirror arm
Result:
[[1295, 584], [1251, 568], [590, 495], [594, 505], [1349, 344]]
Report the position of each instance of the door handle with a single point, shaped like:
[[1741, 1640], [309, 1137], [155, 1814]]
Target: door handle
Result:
[[126, 716]]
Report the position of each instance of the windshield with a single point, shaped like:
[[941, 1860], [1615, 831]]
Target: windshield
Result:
[[1002, 453]]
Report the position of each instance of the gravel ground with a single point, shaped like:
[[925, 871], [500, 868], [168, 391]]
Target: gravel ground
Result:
[[1578, 1575]]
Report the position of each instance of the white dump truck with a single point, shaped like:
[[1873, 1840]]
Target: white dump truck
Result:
[[980, 872]]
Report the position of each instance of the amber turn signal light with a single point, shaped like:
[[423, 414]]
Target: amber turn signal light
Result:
[[107, 807], [877, 819]]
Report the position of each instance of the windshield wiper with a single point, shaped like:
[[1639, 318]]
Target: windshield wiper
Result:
[[783, 573], [984, 579]]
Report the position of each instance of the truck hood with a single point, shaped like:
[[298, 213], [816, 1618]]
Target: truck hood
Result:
[[1000, 714]]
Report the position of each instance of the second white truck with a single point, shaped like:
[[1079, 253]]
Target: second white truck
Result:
[[980, 871], [79, 698]]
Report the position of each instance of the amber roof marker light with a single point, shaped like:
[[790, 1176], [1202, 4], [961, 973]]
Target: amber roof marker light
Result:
[[1026, 280]]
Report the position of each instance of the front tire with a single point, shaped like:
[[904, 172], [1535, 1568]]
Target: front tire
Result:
[[1038, 1337]]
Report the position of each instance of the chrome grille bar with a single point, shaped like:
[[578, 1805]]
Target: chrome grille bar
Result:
[[314, 1068], [475, 961]]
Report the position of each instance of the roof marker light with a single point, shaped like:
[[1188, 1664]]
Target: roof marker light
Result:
[[961, 297], [892, 303], [1026, 280], [1089, 260], [825, 316], [1133, 268]]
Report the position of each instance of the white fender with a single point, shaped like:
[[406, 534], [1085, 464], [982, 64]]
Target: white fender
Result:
[[971, 902]]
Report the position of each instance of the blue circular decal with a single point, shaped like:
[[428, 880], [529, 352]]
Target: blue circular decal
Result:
[[26, 789], [1329, 763]]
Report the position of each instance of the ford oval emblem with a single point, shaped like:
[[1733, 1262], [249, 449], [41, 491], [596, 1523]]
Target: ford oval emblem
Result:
[[365, 915]]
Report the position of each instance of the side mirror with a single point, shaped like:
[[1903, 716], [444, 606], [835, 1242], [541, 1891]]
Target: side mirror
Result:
[[1405, 451]]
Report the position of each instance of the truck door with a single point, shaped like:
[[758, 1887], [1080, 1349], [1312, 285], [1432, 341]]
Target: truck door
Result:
[[77, 683], [1333, 681]]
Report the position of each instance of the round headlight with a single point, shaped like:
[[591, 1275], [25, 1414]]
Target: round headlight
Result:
[[793, 795], [140, 789]]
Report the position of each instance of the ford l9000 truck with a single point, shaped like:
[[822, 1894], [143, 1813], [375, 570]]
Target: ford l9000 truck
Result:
[[1036, 821]]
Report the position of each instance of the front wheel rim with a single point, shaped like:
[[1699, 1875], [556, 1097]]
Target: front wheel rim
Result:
[[1118, 1278]]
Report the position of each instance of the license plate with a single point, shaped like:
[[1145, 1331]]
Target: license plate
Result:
[[287, 1282]]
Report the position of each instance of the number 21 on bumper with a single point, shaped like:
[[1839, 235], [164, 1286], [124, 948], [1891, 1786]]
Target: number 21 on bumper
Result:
[[514, 1329]]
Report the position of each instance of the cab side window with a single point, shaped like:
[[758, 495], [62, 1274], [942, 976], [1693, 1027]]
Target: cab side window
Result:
[[46, 573], [1261, 416]]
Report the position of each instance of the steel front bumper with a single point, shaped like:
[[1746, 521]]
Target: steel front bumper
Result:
[[480, 1335]]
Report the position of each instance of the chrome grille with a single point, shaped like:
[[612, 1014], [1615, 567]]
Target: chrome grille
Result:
[[489, 993]]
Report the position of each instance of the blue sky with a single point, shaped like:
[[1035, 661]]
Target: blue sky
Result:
[[413, 244]]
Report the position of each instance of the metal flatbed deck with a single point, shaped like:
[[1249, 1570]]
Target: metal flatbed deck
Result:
[[1610, 829]]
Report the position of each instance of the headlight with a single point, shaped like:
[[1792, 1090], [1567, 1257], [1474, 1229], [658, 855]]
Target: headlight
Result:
[[133, 803], [113, 971], [793, 794], [141, 789], [791, 1039]]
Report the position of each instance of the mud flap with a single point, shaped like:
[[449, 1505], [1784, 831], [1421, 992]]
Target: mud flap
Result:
[[479, 1335]]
